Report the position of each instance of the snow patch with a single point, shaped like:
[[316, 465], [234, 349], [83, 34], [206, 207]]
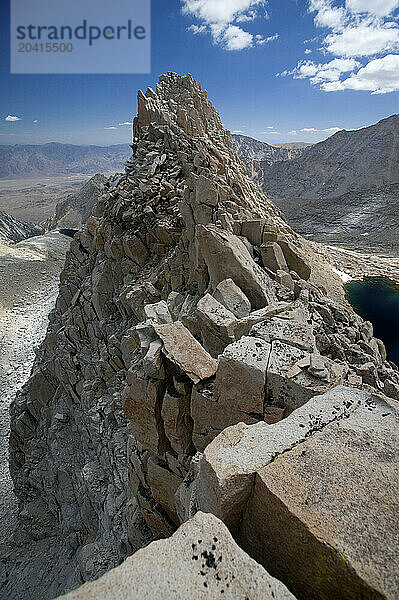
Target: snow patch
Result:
[[344, 276]]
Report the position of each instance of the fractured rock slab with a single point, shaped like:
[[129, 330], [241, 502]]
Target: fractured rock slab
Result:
[[232, 298], [295, 259], [181, 347], [287, 331], [252, 229], [245, 324], [201, 561], [291, 382], [226, 256], [228, 464], [217, 324], [158, 313], [211, 417], [331, 502], [135, 249], [153, 361], [323, 491], [142, 405], [241, 376], [177, 421], [163, 484], [273, 257]]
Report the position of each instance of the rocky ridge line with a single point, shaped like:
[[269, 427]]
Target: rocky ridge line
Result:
[[186, 287]]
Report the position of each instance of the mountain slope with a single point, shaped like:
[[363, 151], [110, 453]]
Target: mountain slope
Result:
[[12, 230], [359, 220], [57, 159], [349, 160], [250, 151], [74, 211]]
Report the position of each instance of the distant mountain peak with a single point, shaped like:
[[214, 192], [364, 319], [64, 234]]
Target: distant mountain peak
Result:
[[362, 159], [252, 151]]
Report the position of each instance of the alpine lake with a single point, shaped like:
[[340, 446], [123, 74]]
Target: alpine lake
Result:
[[377, 300]]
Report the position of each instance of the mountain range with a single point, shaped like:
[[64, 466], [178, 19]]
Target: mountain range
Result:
[[364, 159], [60, 159], [342, 191], [254, 152]]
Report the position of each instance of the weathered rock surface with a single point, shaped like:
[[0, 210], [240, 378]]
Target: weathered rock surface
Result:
[[148, 357], [232, 298], [201, 560], [225, 255], [308, 498], [181, 347], [241, 377]]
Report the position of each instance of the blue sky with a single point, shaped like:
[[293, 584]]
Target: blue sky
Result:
[[279, 71]]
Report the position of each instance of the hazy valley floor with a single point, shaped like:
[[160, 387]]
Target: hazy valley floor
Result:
[[34, 199]]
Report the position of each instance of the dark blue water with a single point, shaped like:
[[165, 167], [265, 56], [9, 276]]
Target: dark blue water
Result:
[[377, 300], [68, 232]]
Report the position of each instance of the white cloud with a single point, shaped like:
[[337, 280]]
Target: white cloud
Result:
[[269, 133], [238, 131], [356, 34], [332, 130], [220, 18], [113, 127], [327, 15], [233, 38], [364, 39], [36, 121], [12, 119], [320, 72], [381, 8], [196, 29], [126, 123], [251, 15], [293, 132], [379, 76], [309, 130], [221, 11], [261, 40]]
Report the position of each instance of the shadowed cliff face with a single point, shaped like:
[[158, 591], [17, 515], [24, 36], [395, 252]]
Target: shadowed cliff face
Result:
[[179, 233]]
